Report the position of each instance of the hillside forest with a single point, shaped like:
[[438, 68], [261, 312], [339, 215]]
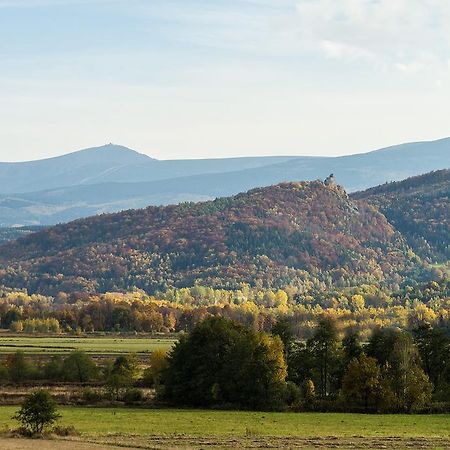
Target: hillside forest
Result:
[[304, 237]]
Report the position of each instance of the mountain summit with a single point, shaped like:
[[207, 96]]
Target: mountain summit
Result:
[[77, 168], [115, 154]]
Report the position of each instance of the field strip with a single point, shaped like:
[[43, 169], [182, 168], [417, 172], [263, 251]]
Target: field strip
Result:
[[59, 345], [224, 442], [53, 444]]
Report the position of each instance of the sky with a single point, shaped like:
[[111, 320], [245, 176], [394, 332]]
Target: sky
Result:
[[217, 78]]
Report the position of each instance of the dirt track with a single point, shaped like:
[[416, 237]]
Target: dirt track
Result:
[[41, 444], [187, 442]]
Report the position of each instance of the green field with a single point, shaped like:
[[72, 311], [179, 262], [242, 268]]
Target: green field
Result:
[[238, 423], [199, 429], [94, 345]]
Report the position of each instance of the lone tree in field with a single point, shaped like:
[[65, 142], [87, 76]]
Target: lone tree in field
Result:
[[222, 362], [38, 411]]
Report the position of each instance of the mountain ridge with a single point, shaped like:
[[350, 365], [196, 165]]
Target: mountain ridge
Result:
[[75, 191], [109, 149]]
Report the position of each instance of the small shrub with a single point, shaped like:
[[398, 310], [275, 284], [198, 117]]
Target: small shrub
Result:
[[22, 432], [4, 374], [68, 430], [133, 395], [293, 394], [79, 367], [90, 396], [18, 366]]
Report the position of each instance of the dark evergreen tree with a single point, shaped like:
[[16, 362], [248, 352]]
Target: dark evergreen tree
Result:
[[324, 348], [222, 362]]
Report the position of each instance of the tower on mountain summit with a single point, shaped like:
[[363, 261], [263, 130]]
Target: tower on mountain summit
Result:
[[330, 181]]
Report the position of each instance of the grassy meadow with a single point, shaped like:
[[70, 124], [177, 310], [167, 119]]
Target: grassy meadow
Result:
[[199, 429], [108, 345], [240, 423]]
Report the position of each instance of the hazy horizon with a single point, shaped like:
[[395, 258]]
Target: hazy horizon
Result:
[[218, 157], [193, 79]]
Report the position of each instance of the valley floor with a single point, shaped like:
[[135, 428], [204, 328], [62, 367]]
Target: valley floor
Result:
[[194, 429]]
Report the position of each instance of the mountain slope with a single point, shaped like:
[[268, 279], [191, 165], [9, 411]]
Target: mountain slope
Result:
[[113, 178], [112, 163], [302, 234], [419, 208]]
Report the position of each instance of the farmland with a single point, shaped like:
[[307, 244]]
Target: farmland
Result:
[[162, 428], [108, 345]]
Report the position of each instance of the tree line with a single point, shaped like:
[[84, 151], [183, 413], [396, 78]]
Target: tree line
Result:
[[362, 308], [222, 363], [120, 379]]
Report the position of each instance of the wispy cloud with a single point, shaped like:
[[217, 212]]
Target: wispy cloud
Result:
[[397, 32], [405, 35], [390, 33]]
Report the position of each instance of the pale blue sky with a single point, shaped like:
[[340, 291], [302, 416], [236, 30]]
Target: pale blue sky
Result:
[[197, 78]]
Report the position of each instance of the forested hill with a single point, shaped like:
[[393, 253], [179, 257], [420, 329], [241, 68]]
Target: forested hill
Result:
[[419, 208], [304, 234]]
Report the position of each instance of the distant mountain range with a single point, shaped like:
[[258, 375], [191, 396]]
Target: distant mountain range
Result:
[[113, 178]]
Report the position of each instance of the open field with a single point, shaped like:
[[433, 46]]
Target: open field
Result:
[[174, 428], [37, 345]]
